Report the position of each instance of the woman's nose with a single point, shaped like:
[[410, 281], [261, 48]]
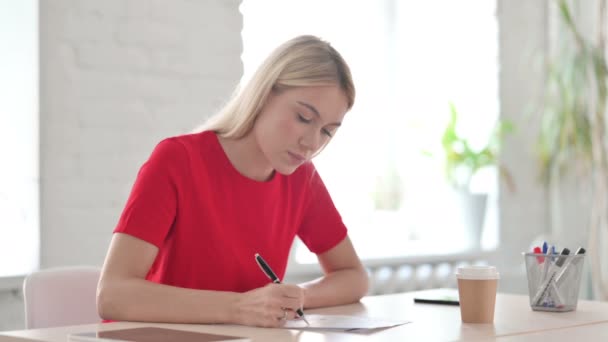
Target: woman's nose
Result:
[[311, 141]]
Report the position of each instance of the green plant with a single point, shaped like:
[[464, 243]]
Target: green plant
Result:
[[566, 126], [573, 131], [462, 161]]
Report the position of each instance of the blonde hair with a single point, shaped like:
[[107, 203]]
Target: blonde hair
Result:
[[303, 61]]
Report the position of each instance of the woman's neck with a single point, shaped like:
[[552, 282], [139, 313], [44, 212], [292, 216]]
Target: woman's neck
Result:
[[247, 158]]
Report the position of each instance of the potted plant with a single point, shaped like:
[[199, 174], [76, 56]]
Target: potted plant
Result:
[[462, 163]]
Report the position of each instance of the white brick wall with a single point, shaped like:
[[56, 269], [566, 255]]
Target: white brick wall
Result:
[[117, 76]]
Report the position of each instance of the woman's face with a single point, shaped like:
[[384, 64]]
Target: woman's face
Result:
[[296, 123]]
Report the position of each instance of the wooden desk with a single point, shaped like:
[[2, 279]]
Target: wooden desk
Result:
[[590, 332], [513, 320]]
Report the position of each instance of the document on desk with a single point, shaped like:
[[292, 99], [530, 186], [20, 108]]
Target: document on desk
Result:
[[343, 323]]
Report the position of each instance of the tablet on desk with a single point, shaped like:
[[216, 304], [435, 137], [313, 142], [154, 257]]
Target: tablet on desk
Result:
[[151, 334], [438, 296]]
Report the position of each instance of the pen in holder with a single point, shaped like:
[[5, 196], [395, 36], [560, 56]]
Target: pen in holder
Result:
[[554, 280]]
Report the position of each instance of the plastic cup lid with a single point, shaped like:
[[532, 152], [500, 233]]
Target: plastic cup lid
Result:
[[477, 272]]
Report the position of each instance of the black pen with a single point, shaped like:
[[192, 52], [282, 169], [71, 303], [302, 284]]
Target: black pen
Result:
[[558, 277], [273, 277]]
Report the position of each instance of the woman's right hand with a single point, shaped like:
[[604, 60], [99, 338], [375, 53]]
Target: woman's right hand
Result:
[[269, 306]]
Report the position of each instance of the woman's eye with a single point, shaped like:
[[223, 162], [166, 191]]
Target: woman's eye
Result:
[[303, 119], [327, 132]]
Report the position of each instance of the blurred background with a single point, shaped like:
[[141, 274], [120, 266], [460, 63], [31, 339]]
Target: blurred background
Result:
[[471, 139]]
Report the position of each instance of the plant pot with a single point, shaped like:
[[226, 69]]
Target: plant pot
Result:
[[471, 214]]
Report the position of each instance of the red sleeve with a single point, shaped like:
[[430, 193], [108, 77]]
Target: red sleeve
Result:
[[151, 207], [322, 227]]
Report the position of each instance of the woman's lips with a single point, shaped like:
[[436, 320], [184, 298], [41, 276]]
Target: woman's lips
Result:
[[297, 157]]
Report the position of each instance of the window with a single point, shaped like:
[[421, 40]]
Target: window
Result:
[[409, 60], [19, 218]]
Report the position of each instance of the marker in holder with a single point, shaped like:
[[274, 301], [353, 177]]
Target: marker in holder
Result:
[[554, 283]]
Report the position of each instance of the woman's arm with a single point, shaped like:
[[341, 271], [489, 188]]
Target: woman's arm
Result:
[[345, 279], [124, 294]]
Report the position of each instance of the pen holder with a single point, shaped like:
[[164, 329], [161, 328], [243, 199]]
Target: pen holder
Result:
[[554, 281]]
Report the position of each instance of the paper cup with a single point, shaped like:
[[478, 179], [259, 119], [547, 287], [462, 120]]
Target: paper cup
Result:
[[477, 293]]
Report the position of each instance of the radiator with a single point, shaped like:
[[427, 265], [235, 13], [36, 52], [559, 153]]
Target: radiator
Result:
[[404, 274], [420, 272]]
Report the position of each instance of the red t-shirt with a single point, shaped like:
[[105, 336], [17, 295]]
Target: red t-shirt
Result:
[[208, 220]]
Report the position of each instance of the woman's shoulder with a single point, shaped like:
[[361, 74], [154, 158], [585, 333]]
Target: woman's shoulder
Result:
[[194, 138], [190, 142], [199, 149]]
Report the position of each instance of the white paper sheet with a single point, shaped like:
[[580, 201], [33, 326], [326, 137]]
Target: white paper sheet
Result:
[[340, 322]]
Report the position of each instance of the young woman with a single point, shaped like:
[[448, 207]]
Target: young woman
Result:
[[204, 204]]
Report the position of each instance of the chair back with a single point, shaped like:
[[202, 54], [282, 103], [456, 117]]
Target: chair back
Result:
[[61, 296]]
